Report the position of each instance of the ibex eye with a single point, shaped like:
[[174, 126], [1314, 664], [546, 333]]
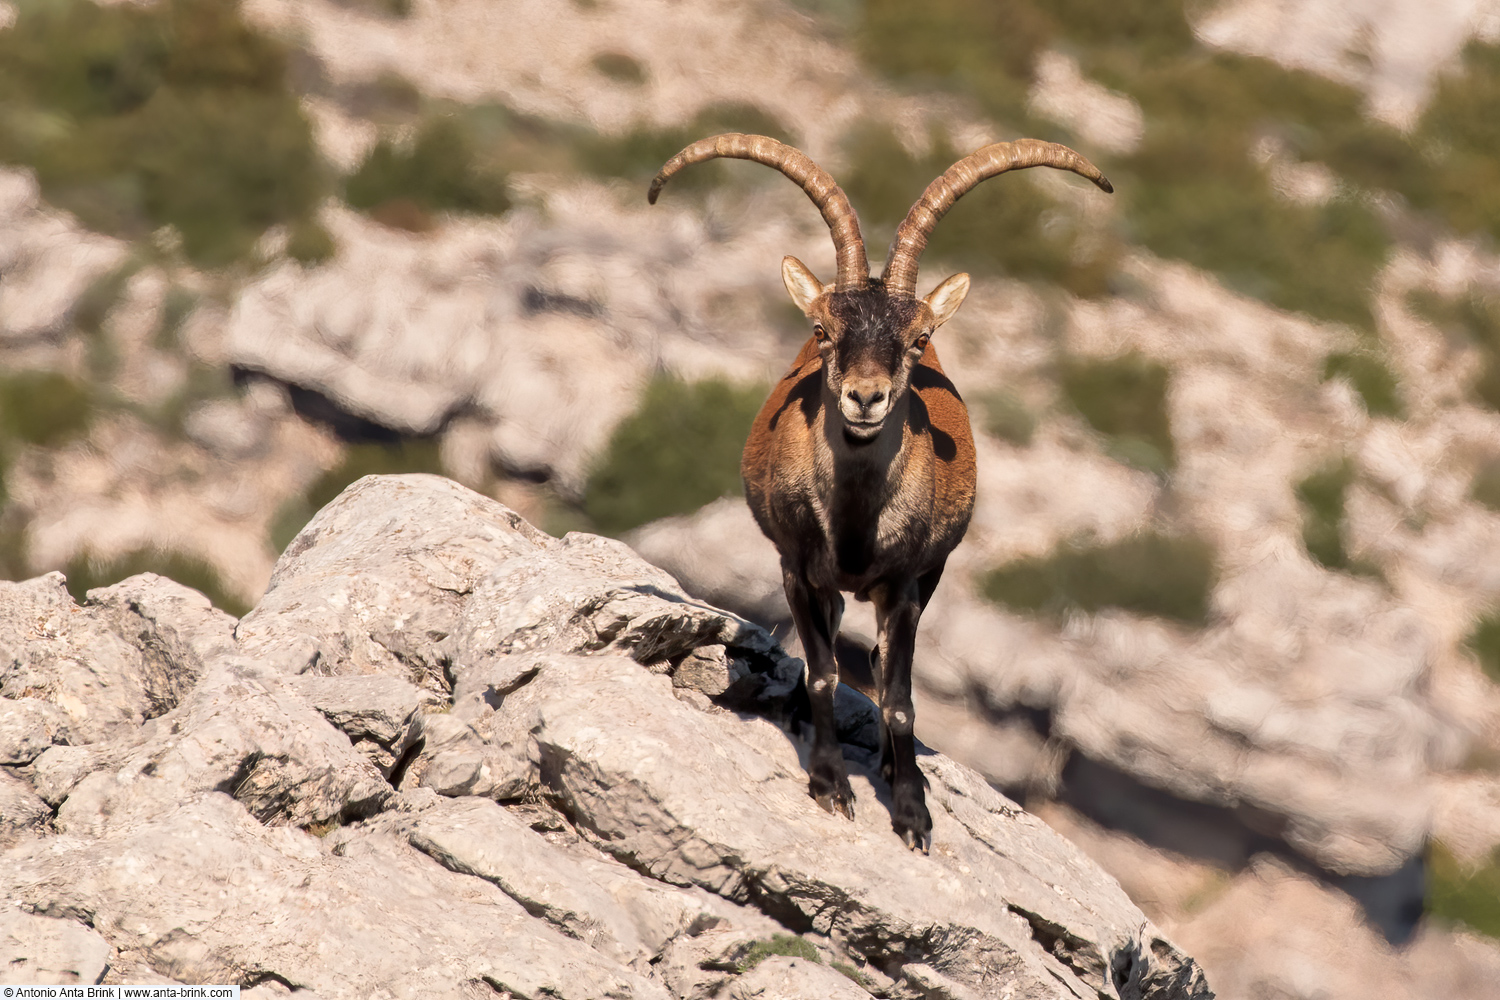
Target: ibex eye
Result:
[[921, 342], [820, 333]]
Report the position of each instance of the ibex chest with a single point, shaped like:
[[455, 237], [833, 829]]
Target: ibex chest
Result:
[[871, 513]]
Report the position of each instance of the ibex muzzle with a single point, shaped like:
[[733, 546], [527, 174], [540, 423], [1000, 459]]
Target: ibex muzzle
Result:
[[860, 466]]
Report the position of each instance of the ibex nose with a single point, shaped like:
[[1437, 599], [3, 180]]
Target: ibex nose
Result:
[[867, 398]]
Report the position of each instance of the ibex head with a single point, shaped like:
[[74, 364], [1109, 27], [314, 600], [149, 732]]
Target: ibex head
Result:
[[872, 332], [870, 340]]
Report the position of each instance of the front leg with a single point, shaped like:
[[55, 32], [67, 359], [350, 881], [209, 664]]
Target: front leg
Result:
[[899, 608], [817, 612]]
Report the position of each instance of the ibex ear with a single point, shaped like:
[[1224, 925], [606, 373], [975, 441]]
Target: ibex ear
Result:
[[801, 284], [945, 299]]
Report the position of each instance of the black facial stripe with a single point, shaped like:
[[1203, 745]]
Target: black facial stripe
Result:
[[873, 327]]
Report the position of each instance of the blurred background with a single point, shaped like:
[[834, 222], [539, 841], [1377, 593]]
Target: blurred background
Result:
[[1229, 612]]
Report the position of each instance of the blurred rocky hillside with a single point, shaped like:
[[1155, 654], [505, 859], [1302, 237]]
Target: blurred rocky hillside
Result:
[[1229, 613]]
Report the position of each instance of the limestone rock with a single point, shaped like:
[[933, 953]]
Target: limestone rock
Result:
[[376, 712], [782, 978], [384, 595], [579, 813], [736, 820], [176, 629], [22, 811], [29, 726], [601, 903], [546, 333], [123, 658], [242, 731], [209, 895], [47, 951], [458, 759]]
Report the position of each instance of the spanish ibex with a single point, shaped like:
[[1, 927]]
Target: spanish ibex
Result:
[[860, 466]]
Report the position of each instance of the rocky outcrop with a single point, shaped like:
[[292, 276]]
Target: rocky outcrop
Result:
[[543, 335], [447, 751]]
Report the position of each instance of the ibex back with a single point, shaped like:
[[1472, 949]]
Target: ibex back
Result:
[[860, 466]]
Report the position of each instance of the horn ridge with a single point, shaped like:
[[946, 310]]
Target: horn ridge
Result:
[[900, 274], [843, 223]]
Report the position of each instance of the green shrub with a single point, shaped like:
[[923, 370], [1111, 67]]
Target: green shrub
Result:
[[85, 573], [1125, 399], [175, 113], [368, 458], [1003, 226], [780, 944], [439, 171], [43, 408], [1475, 319], [639, 154], [1192, 190], [1371, 378], [92, 306], [381, 8], [13, 562], [980, 47], [1153, 28], [1322, 497], [851, 973], [677, 452], [1486, 485], [1484, 643], [1459, 894], [1459, 137], [1007, 417], [203, 383], [620, 67], [309, 243], [1151, 574], [177, 305], [508, 141]]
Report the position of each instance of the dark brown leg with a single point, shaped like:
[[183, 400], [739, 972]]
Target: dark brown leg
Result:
[[899, 607], [816, 613]]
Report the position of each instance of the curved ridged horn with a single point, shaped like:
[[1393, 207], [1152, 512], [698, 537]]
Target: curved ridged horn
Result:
[[853, 269], [900, 276]]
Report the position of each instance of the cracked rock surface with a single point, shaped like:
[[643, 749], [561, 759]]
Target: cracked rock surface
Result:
[[448, 753]]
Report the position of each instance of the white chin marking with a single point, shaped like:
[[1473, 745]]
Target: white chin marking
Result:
[[863, 432]]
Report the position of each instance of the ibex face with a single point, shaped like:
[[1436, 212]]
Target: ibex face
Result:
[[844, 512], [869, 341]]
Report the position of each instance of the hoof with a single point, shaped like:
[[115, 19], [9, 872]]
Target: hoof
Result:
[[836, 804], [915, 841], [834, 795], [912, 823]]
